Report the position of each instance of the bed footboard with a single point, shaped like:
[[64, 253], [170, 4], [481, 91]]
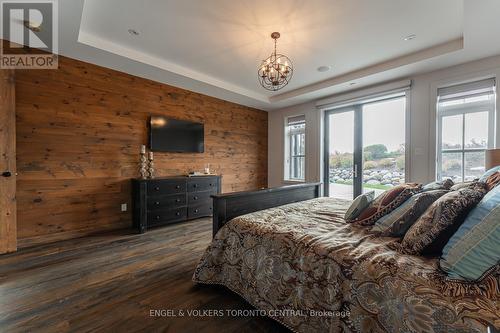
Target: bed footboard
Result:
[[231, 205]]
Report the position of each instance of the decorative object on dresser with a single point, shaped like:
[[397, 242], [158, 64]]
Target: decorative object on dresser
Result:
[[151, 166], [143, 164], [164, 201]]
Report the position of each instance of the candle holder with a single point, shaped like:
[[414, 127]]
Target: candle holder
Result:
[[151, 169], [143, 164]]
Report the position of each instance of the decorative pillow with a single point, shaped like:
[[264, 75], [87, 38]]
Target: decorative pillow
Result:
[[474, 249], [489, 173], [429, 234], [458, 186], [396, 223], [445, 184], [358, 205], [386, 203], [493, 180]]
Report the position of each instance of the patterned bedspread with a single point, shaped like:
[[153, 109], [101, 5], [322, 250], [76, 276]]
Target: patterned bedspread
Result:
[[305, 267]]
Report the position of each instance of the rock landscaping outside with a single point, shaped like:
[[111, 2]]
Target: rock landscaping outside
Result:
[[382, 169], [376, 178]]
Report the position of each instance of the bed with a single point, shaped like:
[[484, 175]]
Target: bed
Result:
[[304, 266]]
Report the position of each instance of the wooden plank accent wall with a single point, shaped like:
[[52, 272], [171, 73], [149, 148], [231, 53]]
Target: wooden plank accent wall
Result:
[[8, 238], [79, 131]]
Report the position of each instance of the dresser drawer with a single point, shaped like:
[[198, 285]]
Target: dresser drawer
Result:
[[197, 198], [166, 202], [199, 211], [165, 216], [198, 184], [162, 187], [163, 201]]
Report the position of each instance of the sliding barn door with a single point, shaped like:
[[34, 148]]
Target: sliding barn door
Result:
[[8, 234]]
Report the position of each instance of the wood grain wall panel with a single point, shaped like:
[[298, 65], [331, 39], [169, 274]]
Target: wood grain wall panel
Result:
[[8, 225], [79, 130]]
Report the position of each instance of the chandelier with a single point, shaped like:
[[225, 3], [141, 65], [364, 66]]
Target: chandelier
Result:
[[276, 71]]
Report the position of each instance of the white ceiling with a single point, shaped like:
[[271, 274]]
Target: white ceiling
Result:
[[214, 47]]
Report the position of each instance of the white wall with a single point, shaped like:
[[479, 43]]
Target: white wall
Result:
[[422, 148]]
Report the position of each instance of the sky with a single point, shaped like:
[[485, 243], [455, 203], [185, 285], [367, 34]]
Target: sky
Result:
[[383, 123], [475, 133], [476, 128]]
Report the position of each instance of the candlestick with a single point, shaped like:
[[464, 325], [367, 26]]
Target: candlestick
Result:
[[151, 169], [143, 163]]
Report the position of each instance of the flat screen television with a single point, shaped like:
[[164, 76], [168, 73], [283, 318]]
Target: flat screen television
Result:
[[173, 135]]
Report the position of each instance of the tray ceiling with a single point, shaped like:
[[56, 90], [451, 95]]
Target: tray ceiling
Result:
[[214, 47]]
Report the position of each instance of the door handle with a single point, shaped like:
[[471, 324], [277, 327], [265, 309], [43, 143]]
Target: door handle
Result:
[[355, 171], [6, 174]]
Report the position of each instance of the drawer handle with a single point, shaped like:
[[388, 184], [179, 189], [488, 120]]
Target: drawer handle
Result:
[[178, 214], [157, 188], [157, 217], [177, 200], [196, 210], [211, 184], [210, 208], [157, 203], [195, 185], [195, 198], [178, 187]]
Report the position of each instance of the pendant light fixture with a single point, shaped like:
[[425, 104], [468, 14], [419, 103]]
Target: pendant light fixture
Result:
[[276, 71]]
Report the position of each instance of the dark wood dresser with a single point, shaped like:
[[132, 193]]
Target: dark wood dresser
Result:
[[169, 200]]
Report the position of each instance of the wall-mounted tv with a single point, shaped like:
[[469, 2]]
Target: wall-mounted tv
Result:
[[173, 135]]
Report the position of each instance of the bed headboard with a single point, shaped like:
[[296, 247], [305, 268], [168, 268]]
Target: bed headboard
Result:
[[230, 205]]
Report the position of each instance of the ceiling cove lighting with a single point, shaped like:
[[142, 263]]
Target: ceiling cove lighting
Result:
[[276, 71]]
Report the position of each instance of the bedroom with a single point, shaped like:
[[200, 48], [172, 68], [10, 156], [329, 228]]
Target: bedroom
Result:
[[302, 166]]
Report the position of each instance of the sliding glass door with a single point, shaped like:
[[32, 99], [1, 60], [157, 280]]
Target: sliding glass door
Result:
[[384, 144], [342, 145], [365, 147]]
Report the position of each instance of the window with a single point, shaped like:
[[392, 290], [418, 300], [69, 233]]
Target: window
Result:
[[466, 118], [295, 151]]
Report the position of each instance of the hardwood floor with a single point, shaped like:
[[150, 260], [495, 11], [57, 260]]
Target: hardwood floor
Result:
[[110, 282]]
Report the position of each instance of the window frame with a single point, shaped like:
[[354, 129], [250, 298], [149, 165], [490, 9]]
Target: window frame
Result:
[[290, 135], [463, 110]]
